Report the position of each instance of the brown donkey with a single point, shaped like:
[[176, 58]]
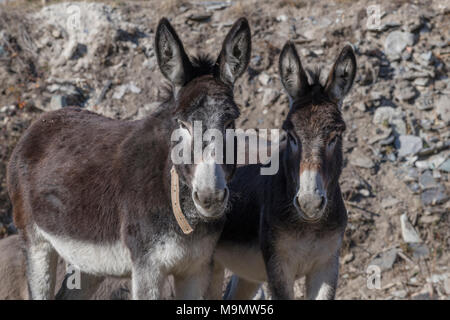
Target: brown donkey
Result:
[[288, 225], [97, 191]]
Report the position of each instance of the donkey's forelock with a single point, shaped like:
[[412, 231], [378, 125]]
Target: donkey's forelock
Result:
[[315, 93]]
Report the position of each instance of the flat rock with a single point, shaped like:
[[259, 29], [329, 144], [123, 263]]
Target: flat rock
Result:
[[386, 114], [270, 96], [426, 180], [405, 93], [396, 42], [434, 196], [359, 159], [389, 202], [57, 102], [425, 102], [409, 234], [419, 250], [385, 260], [264, 78], [447, 286], [445, 166], [399, 293], [408, 145], [443, 108], [433, 162]]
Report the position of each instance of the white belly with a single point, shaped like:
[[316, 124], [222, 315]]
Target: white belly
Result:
[[98, 259]]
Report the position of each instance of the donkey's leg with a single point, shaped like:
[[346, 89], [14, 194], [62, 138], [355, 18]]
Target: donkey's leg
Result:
[[321, 283], [280, 273], [214, 291], [194, 285], [42, 261], [240, 289], [147, 280], [88, 286]]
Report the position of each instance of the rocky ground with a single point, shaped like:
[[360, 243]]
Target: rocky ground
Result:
[[100, 56]]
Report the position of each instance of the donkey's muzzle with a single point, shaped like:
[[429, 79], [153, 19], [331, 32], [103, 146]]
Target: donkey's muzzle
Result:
[[311, 198], [212, 203], [311, 203]]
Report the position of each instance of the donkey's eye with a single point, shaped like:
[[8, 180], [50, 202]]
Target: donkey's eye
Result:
[[333, 141], [229, 124], [183, 125]]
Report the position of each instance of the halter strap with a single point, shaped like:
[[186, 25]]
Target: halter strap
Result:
[[176, 208]]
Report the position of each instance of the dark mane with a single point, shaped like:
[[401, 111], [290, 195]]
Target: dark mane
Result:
[[203, 64]]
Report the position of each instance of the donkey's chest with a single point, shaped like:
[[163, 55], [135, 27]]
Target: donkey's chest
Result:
[[179, 255], [304, 253]]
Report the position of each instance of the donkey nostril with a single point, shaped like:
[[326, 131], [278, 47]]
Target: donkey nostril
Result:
[[201, 199], [196, 197], [322, 202], [222, 194]]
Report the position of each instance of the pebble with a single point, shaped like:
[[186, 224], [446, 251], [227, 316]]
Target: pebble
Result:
[[425, 102], [399, 126], [380, 134], [349, 257], [426, 180], [270, 96], [396, 42], [409, 234], [57, 102], [422, 82], [399, 294], [419, 250], [264, 78], [414, 187], [386, 114], [200, 17], [425, 58], [429, 219], [434, 196], [436, 278], [357, 158], [364, 192], [389, 202], [445, 166], [282, 18], [405, 93], [408, 145], [433, 162], [216, 5], [447, 286], [421, 296], [443, 108], [122, 89], [385, 260]]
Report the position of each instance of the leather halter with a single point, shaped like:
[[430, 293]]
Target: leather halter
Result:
[[176, 208]]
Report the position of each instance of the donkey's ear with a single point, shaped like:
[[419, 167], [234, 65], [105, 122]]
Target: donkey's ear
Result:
[[342, 74], [292, 74], [172, 59], [236, 49]]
